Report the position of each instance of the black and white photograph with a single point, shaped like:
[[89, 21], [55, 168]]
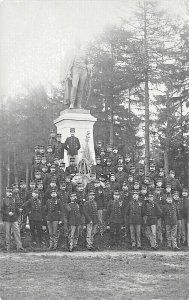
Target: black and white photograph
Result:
[[94, 149]]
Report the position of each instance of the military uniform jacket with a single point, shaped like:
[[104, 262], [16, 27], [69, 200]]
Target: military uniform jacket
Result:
[[35, 207], [180, 206], [170, 214], [115, 211], [74, 214], [134, 212], [99, 198], [59, 150], [71, 170], [18, 199], [89, 187], [186, 208], [23, 195], [120, 177], [90, 211], [152, 211], [72, 145], [9, 205], [107, 196], [53, 209], [53, 142]]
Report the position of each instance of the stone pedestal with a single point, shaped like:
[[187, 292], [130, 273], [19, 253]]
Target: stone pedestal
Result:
[[83, 122]]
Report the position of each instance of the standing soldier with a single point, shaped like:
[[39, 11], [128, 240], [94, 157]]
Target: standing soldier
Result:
[[134, 213], [71, 169], [53, 212], [52, 140], [74, 220], [91, 217], [10, 215], [115, 216], [185, 237], [120, 174], [152, 211], [171, 214], [179, 203], [35, 208], [59, 150], [72, 145]]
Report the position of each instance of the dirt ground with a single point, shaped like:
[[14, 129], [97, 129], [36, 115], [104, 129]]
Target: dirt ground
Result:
[[94, 275]]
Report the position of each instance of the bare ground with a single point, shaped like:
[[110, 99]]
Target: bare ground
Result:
[[94, 275]]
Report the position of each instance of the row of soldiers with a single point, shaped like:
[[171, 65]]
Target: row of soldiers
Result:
[[117, 195]]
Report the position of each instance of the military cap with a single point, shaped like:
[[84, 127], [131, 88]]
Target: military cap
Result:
[[37, 146], [150, 194], [72, 129], [36, 191], [15, 185], [185, 190], [172, 172], [53, 189], [176, 193], [67, 179], [168, 195], [120, 164], [22, 181], [73, 194], [53, 179], [135, 192], [168, 185], [53, 166], [49, 146], [8, 189], [58, 135], [72, 159], [92, 192], [116, 192]]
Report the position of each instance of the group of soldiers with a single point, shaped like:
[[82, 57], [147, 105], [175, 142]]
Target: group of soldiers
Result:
[[119, 197]]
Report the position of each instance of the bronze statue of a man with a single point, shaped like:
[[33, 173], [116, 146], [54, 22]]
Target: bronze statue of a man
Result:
[[74, 75]]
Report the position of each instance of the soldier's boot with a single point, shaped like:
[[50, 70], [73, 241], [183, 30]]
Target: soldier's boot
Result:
[[55, 242], [51, 243]]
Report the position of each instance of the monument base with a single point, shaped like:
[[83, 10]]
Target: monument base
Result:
[[83, 122]]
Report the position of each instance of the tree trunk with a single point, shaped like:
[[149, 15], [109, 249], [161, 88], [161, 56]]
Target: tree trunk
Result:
[[147, 126], [1, 177], [27, 175], [166, 163], [15, 167], [8, 167], [147, 114]]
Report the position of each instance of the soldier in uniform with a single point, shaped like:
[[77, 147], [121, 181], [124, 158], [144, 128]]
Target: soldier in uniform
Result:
[[170, 215], [71, 170], [185, 220], [59, 150], [50, 155], [120, 175], [179, 203], [10, 215], [35, 208], [115, 216], [134, 213], [72, 145], [74, 220], [175, 183], [52, 140], [152, 211], [91, 218], [53, 212]]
